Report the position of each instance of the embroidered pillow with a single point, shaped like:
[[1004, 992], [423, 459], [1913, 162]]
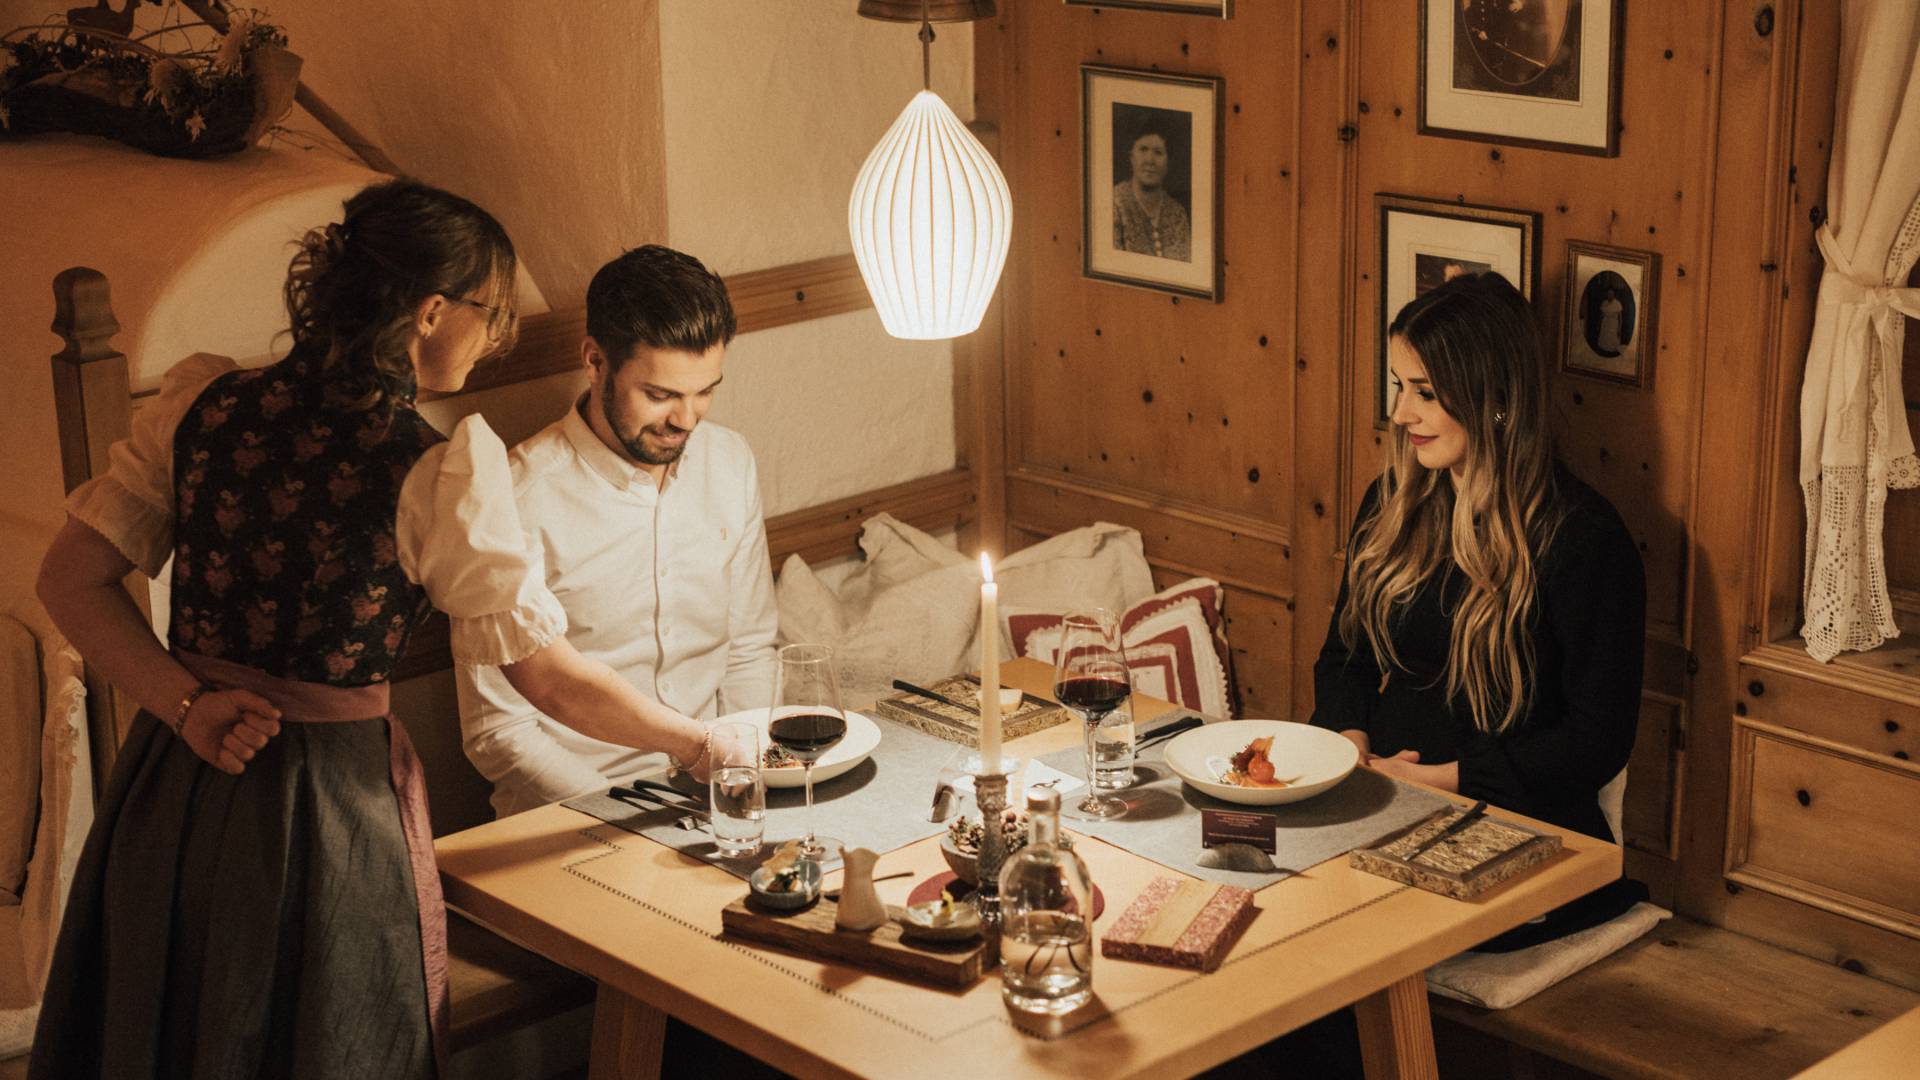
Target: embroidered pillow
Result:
[[1175, 642]]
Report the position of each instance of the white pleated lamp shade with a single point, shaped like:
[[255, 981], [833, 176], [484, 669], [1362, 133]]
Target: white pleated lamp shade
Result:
[[931, 218]]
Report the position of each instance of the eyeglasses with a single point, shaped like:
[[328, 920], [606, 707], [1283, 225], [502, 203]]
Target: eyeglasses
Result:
[[502, 320], [494, 311]]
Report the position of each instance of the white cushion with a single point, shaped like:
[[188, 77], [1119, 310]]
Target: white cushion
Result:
[[911, 610], [1503, 980]]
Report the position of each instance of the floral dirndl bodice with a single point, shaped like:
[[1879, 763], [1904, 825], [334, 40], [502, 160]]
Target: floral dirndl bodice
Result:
[[285, 554]]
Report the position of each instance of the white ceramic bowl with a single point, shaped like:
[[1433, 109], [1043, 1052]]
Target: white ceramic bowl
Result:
[[862, 736], [1312, 759]]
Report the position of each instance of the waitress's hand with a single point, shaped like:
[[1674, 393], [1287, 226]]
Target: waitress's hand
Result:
[[227, 727], [722, 750], [1405, 765]]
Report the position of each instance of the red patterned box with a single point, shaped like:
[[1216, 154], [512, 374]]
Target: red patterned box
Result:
[[1188, 924]]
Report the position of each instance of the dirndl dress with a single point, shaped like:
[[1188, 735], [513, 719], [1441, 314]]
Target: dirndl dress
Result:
[[286, 922]]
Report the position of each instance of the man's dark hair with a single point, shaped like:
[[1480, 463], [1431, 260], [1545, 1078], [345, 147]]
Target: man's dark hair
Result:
[[657, 297]]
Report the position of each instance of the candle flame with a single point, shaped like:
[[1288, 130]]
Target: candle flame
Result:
[[986, 568]]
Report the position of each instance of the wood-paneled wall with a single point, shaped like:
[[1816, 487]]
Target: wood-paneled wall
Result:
[[1238, 437]]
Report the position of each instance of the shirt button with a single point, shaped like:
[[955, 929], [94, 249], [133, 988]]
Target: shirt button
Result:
[[664, 571]]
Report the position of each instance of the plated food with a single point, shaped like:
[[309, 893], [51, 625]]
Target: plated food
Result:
[[1309, 760], [1252, 767], [861, 738]]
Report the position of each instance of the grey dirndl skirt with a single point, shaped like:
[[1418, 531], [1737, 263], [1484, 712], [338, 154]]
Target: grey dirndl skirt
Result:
[[261, 925]]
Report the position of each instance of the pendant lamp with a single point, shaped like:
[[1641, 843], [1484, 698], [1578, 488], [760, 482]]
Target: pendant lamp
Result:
[[930, 215]]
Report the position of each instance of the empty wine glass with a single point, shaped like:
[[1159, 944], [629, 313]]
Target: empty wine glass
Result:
[[806, 721], [1090, 677]]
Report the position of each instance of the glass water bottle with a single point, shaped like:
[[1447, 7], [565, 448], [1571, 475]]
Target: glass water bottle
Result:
[[1046, 908]]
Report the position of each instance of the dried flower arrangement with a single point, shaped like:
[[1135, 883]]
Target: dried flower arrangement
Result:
[[188, 89]]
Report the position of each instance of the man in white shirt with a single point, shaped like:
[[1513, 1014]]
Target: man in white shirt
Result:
[[650, 524]]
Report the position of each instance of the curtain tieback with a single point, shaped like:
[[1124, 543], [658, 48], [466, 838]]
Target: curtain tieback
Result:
[[1886, 304]]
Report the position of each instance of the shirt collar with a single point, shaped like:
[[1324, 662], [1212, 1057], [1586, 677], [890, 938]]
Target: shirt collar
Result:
[[613, 467]]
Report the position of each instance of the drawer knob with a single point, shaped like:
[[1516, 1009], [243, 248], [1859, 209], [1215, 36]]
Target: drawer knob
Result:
[[1805, 799], [1893, 726], [1756, 688]]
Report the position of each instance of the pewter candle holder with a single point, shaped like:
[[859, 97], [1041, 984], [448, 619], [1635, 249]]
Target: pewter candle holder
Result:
[[990, 793]]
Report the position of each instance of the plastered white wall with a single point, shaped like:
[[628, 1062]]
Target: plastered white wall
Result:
[[770, 109], [547, 114], [834, 407]]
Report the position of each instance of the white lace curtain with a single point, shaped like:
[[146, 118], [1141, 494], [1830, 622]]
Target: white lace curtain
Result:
[[1854, 442]]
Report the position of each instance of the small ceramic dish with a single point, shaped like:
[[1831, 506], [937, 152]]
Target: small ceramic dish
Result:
[[928, 922], [806, 887]]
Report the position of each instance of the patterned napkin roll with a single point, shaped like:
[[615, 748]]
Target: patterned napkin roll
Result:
[[1182, 923]]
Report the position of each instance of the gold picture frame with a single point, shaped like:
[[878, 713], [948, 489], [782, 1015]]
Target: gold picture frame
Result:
[[1219, 8], [1612, 313]]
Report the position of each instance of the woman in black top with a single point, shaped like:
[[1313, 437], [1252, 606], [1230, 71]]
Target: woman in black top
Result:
[[1489, 631]]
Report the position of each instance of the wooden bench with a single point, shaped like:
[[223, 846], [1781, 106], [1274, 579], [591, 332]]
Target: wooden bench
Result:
[[1691, 1000], [497, 986]]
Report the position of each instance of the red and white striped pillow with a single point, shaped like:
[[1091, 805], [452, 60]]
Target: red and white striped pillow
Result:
[[1176, 643]]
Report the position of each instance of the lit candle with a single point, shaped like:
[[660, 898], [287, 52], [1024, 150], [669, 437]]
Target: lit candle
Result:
[[989, 669]]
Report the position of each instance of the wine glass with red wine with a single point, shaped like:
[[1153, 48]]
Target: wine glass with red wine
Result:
[[807, 721], [1090, 677]]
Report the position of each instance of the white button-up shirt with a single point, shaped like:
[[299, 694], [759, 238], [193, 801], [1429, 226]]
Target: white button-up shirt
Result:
[[668, 584]]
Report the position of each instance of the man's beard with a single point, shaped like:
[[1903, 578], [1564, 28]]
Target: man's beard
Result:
[[635, 444]]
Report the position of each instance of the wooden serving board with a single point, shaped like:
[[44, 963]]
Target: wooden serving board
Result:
[[810, 932]]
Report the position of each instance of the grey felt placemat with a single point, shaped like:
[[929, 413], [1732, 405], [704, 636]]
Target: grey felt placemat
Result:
[[1162, 822], [881, 804]]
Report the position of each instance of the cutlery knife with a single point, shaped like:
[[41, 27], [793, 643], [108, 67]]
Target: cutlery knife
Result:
[[902, 684], [648, 794], [1478, 811]]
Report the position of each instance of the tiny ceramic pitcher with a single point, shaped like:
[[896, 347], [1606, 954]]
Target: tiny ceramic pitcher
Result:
[[860, 906]]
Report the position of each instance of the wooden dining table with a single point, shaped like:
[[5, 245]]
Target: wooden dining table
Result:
[[643, 921]]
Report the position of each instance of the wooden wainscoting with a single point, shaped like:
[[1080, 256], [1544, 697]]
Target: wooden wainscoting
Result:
[[762, 299]]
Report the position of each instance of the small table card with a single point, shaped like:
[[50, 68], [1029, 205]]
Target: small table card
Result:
[[1249, 827]]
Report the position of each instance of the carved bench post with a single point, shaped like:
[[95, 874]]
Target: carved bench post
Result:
[[93, 405]]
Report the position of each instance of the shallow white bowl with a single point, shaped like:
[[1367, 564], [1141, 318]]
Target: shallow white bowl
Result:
[[862, 736], [1312, 759]]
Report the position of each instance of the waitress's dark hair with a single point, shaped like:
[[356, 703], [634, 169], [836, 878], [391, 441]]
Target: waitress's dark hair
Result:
[[353, 287]]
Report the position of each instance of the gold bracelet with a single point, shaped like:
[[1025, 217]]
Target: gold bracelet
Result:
[[706, 749], [179, 722]]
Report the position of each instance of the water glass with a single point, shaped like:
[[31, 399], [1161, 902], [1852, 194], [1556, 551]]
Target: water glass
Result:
[[736, 794], [1113, 739]]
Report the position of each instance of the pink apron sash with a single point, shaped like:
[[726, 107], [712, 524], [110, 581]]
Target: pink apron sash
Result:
[[318, 703]]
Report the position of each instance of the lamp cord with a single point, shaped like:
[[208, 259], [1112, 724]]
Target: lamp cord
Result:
[[926, 47]]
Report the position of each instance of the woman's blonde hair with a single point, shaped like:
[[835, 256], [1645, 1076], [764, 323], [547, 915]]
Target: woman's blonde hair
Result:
[[1492, 522], [354, 286]]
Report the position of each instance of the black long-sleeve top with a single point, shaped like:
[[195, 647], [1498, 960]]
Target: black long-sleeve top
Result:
[[1589, 633]]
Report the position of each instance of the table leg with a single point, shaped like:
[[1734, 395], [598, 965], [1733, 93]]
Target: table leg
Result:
[[628, 1036], [1396, 1036]]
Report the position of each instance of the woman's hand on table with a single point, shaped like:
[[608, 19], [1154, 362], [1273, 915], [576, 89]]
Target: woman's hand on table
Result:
[[721, 748], [1405, 765], [227, 727]]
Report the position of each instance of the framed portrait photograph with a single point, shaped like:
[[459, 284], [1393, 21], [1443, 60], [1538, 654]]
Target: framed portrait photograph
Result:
[[1612, 298], [1541, 73], [1150, 179], [1220, 9], [1424, 242]]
